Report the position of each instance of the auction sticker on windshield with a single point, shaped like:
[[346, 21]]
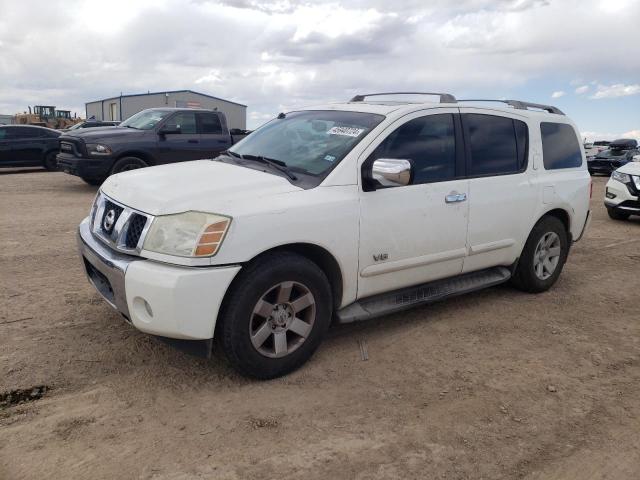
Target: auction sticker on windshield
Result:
[[347, 131]]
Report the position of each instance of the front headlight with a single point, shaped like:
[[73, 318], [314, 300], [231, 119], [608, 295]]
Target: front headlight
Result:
[[188, 234], [98, 149], [621, 177]]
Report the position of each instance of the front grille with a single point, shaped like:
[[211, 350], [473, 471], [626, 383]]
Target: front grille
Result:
[[136, 225], [110, 216], [72, 146], [132, 225]]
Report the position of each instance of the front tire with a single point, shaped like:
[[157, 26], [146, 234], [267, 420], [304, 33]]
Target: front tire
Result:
[[50, 162], [616, 215], [128, 163], [543, 256], [275, 315], [96, 182]]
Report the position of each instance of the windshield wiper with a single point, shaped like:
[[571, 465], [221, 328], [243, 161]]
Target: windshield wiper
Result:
[[276, 164]]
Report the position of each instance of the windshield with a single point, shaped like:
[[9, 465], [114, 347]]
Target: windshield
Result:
[[310, 141], [145, 120], [612, 153]]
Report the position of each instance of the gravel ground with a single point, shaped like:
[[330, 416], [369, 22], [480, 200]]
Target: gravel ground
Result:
[[497, 384]]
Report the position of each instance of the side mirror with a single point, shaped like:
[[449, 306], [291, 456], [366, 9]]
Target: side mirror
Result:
[[392, 172], [636, 158], [169, 130]]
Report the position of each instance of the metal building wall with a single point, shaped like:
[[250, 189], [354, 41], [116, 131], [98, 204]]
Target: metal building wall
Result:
[[236, 114]]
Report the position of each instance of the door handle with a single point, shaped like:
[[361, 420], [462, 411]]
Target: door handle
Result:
[[455, 197], [192, 141]]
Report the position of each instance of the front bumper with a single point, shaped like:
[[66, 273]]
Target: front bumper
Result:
[[618, 197], [160, 299], [93, 168]]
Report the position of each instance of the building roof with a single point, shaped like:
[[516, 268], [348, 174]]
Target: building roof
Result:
[[168, 91]]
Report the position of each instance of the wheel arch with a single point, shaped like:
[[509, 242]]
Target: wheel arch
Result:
[[562, 215], [324, 259], [148, 159], [49, 151]]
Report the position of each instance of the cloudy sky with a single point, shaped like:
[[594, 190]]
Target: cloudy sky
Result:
[[581, 55]]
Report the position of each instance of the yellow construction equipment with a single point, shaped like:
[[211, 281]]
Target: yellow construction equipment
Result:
[[47, 116]]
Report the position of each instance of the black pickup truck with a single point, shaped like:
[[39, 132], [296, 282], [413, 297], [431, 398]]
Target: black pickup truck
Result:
[[151, 137]]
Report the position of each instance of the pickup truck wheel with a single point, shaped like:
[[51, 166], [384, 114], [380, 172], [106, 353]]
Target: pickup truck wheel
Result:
[[543, 256], [50, 162], [276, 315], [615, 215], [128, 163], [93, 181]]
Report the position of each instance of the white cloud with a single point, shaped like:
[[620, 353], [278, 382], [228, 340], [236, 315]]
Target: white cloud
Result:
[[287, 53], [558, 94], [616, 90]]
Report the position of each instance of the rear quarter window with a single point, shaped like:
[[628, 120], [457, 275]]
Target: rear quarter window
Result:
[[560, 147]]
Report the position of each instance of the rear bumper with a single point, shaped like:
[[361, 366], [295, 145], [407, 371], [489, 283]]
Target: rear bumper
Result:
[[94, 168], [587, 222], [160, 299]]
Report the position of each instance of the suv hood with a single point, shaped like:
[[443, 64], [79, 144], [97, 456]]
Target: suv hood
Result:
[[103, 133], [631, 168], [201, 185]]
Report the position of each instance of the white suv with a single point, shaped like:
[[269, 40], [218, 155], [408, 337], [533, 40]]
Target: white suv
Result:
[[344, 211], [622, 194]]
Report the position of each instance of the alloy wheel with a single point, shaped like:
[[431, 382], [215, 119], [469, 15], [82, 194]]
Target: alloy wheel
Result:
[[282, 319], [547, 255]]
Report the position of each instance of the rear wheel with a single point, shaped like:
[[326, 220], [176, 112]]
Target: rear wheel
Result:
[[543, 256], [617, 215], [128, 163], [276, 315], [50, 162]]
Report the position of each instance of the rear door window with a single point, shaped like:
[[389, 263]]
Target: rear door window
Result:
[[210, 124], [24, 132], [560, 147], [496, 145]]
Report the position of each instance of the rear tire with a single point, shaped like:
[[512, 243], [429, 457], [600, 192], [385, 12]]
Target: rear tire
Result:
[[128, 163], [275, 315], [50, 162], [543, 256], [616, 215]]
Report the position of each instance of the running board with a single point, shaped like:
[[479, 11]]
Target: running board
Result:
[[390, 302]]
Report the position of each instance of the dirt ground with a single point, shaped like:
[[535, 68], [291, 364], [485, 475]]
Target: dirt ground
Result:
[[495, 385]]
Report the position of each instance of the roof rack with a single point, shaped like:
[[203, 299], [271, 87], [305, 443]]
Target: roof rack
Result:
[[444, 97], [520, 105]]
